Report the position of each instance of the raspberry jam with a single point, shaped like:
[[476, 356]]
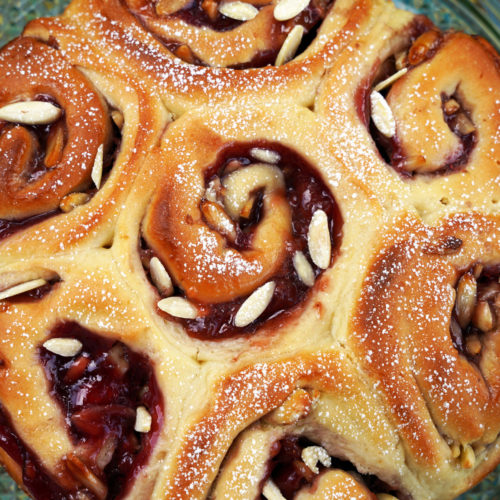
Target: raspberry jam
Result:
[[305, 192], [98, 391]]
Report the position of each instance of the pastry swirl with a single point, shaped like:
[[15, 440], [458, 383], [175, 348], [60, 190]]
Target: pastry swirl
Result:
[[285, 284], [40, 164]]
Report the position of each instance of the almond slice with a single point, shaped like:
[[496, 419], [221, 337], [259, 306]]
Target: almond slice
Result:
[[178, 307], [303, 269], [254, 305], [83, 474], [318, 240], [142, 420], [22, 288], [466, 299], [160, 277], [390, 80], [382, 115], [73, 200], [240, 11], [65, 347], [271, 491], [97, 168], [314, 454], [30, 113], [288, 9], [290, 45], [265, 155]]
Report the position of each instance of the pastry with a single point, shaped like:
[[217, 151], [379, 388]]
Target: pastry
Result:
[[248, 250]]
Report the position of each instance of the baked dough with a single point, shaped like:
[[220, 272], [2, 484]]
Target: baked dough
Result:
[[224, 278]]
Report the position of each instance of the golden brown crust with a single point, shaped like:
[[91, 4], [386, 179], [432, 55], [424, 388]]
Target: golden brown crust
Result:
[[364, 366]]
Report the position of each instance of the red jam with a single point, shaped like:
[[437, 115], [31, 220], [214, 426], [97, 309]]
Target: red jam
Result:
[[98, 390], [306, 192]]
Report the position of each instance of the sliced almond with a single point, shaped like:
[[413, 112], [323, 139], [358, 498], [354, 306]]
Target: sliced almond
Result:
[[390, 80], [386, 496], [314, 454], [218, 220], [465, 302], [382, 114], [288, 9], [290, 45], [483, 317], [160, 277], [118, 356], [85, 476], [142, 420], [467, 457], [271, 491], [473, 345], [265, 155], [178, 307], [240, 11], [451, 107], [97, 168], [117, 117], [303, 269], [30, 113], [254, 305], [318, 240], [464, 124], [22, 288], [65, 347], [401, 60], [295, 407], [73, 200], [106, 451]]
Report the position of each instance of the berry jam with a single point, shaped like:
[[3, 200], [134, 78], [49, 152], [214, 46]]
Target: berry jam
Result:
[[98, 390]]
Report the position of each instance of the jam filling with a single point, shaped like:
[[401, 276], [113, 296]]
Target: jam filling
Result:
[[205, 14], [36, 480], [99, 390], [43, 160], [476, 311], [290, 474], [305, 192]]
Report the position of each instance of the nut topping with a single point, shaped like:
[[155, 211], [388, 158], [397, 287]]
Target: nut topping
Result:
[[483, 317], [254, 305], [466, 299], [467, 457], [382, 115], [97, 168], [240, 11], [65, 347], [288, 9], [303, 269], [290, 45], [30, 113], [73, 200], [178, 307], [265, 155], [142, 420], [217, 219], [22, 288], [314, 454], [390, 80], [318, 240], [160, 277], [271, 491], [85, 476]]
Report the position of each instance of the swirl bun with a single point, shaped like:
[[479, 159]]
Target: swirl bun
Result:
[[248, 250], [38, 161]]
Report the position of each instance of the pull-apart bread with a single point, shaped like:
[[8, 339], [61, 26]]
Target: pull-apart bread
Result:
[[248, 250]]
